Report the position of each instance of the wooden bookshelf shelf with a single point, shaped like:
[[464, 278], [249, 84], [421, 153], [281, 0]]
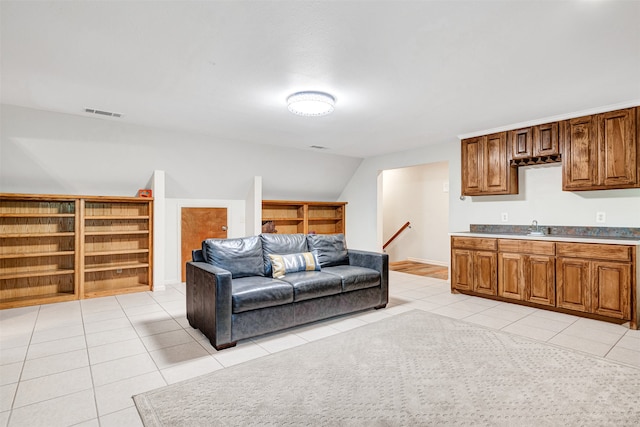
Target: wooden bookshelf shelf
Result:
[[114, 233], [43, 273], [60, 247], [36, 255], [305, 217]]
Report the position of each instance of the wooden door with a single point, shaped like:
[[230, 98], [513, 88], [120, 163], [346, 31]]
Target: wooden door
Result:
[[472, 165], [579, 156], [540, 280], [462, 269], [618, 162], [485, 275], [510, 275], [572, 285], [198, 224], [611, 289]]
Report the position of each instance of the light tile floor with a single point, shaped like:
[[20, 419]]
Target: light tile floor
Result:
[[78, 363]]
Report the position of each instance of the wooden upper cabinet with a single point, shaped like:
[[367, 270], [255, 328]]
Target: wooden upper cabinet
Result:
[[580, 154], [472, 165], [485, 166], [521, 143], [535, 141], [617, 149], [546, 140], [601, 151]]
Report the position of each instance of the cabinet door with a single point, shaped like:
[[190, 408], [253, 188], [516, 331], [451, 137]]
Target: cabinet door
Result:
[[496, 171], [540, 276], [545, 140], [572, 284], [462, 269], [484, 274], [472, 165], [611, 289], [618, 162], [579, 164], [521, 141], [510, 275]]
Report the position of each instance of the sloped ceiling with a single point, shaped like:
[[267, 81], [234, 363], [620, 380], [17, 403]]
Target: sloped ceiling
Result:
[[405, 74]]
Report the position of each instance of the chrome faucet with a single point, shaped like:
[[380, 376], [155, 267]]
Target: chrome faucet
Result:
[[534, 230]]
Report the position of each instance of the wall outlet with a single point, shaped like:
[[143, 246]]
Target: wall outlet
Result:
[[601, 217], [504, 216]]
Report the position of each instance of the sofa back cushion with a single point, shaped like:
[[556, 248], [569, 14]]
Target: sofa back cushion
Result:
[[281, 244], [242, 257], [331, 249]]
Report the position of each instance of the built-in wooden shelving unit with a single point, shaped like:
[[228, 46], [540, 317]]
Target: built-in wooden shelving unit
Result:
[[305, 217], [58, 248]]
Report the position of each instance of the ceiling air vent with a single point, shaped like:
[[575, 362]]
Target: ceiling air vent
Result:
[[318, 147], [102, 112]]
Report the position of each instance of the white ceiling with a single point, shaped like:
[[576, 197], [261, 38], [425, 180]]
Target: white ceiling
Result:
[[405, 74]]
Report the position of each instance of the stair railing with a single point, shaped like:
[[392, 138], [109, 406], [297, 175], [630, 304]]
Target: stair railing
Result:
[[400, 230]]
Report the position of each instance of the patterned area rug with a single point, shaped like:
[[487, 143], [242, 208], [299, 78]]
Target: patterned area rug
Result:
[[414, 369]]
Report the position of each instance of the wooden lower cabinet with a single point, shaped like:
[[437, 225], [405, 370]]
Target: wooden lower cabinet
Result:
[[526, 271], [474, 265], [527, 278], [599, 287], [484, 272], [598, 279], [572, 284], [511, 276], [474, 271], [611, 293], [540, 279]]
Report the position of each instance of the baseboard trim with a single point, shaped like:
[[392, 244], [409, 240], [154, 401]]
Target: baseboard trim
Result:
[[429, 261]]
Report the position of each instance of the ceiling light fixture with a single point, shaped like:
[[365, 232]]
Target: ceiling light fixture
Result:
[[311, 104]]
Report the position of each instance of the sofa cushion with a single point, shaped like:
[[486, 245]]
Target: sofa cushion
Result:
[[331, 248], [242, 257], [354, 277], [313, 284], [291, 263], [251, 293], [281, 244]]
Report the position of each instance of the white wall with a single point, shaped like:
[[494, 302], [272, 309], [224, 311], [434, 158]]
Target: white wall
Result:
[[417, 194], [540, 197], [53, 153], [364, 230]]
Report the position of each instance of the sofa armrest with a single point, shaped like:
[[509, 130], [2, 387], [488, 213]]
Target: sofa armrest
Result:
[[376, 261], [209, 302]]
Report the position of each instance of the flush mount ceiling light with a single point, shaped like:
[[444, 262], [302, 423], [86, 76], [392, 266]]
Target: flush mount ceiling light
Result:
[[311, 104]]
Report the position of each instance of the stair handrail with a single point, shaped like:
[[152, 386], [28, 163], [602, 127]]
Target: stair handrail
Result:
[[400, 230]]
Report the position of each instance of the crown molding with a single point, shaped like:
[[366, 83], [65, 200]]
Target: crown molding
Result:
[[604, 109]]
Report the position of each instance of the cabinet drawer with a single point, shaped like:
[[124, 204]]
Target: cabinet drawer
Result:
[[594, 250], [526, 247], [474, 243]]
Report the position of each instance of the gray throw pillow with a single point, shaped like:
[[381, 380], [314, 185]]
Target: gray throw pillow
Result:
[[242, 257], [331, 249]]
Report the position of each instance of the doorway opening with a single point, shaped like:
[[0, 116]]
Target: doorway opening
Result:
[[418, 195]]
